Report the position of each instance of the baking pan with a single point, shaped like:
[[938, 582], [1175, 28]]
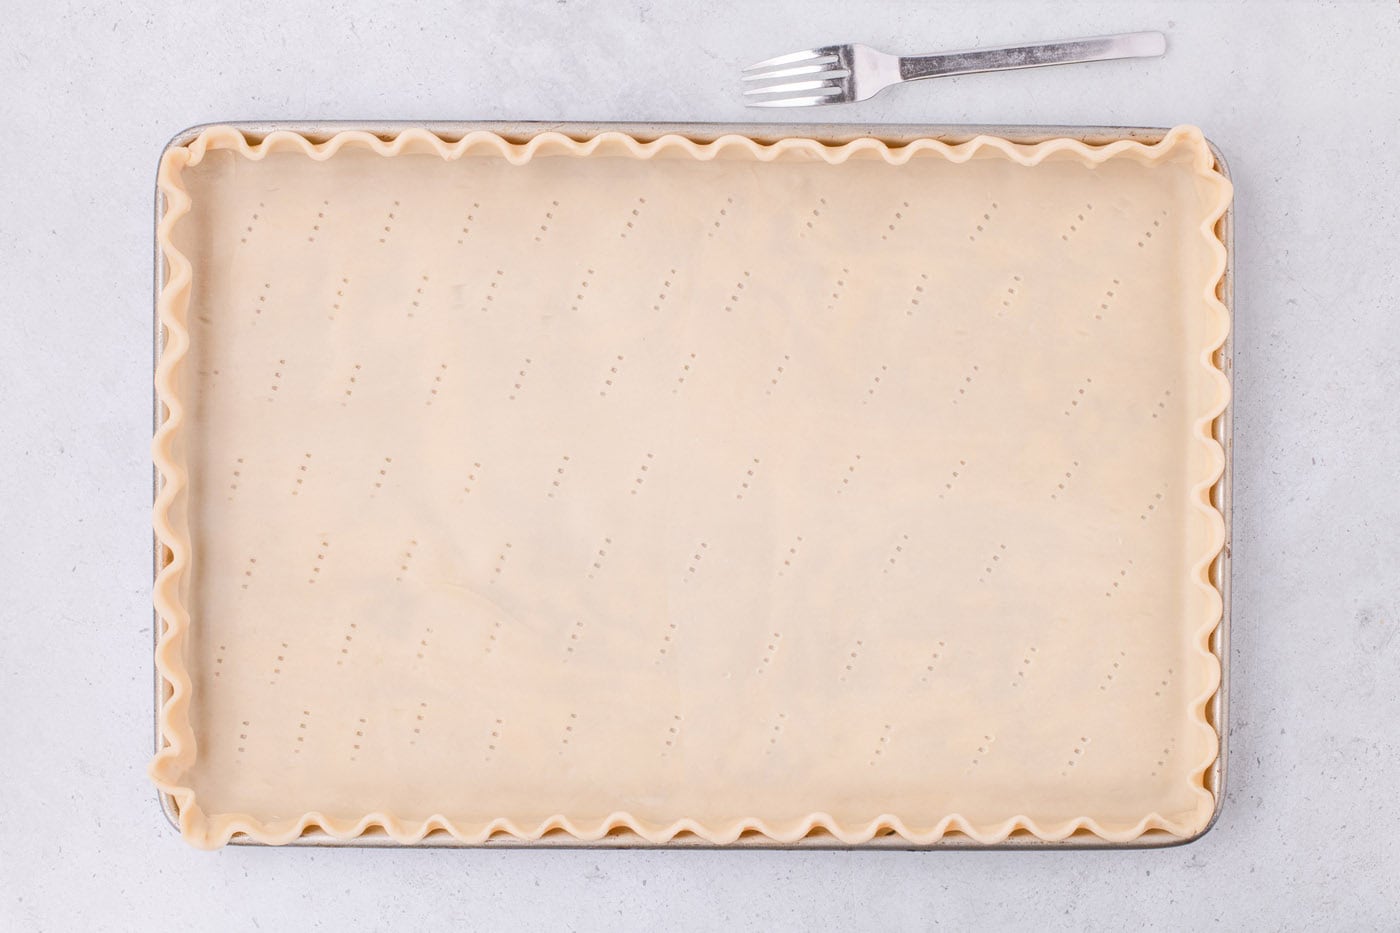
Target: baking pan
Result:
[[1217, 709]]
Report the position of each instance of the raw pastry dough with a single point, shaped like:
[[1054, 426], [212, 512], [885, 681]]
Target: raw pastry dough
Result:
[[688, 488]]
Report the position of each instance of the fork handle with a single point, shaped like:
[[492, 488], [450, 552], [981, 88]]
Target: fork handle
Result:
[[1065, 52]]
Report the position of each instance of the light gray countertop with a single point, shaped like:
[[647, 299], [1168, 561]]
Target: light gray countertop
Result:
[[1304, 99]]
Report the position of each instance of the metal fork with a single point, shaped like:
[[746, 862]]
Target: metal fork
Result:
[[839, 74]]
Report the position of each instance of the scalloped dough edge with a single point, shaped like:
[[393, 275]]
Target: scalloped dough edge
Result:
[[179, 746]]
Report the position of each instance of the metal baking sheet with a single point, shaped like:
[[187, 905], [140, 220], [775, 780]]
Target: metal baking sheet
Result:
[[1217, 711]]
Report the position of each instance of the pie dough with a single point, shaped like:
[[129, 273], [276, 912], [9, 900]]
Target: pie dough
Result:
[[513, 488]]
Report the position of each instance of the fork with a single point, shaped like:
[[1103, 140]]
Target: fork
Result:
[[839, 74]]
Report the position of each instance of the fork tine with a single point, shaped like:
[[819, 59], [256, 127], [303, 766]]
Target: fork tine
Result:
[[793, 87], [832, 98], [820, 65], [804, 55]]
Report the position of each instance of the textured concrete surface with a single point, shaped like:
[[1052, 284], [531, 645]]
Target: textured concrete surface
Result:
[[1303, 97]]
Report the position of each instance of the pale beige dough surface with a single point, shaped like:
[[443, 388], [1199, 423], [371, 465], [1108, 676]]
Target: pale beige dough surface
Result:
[[716, 493]]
